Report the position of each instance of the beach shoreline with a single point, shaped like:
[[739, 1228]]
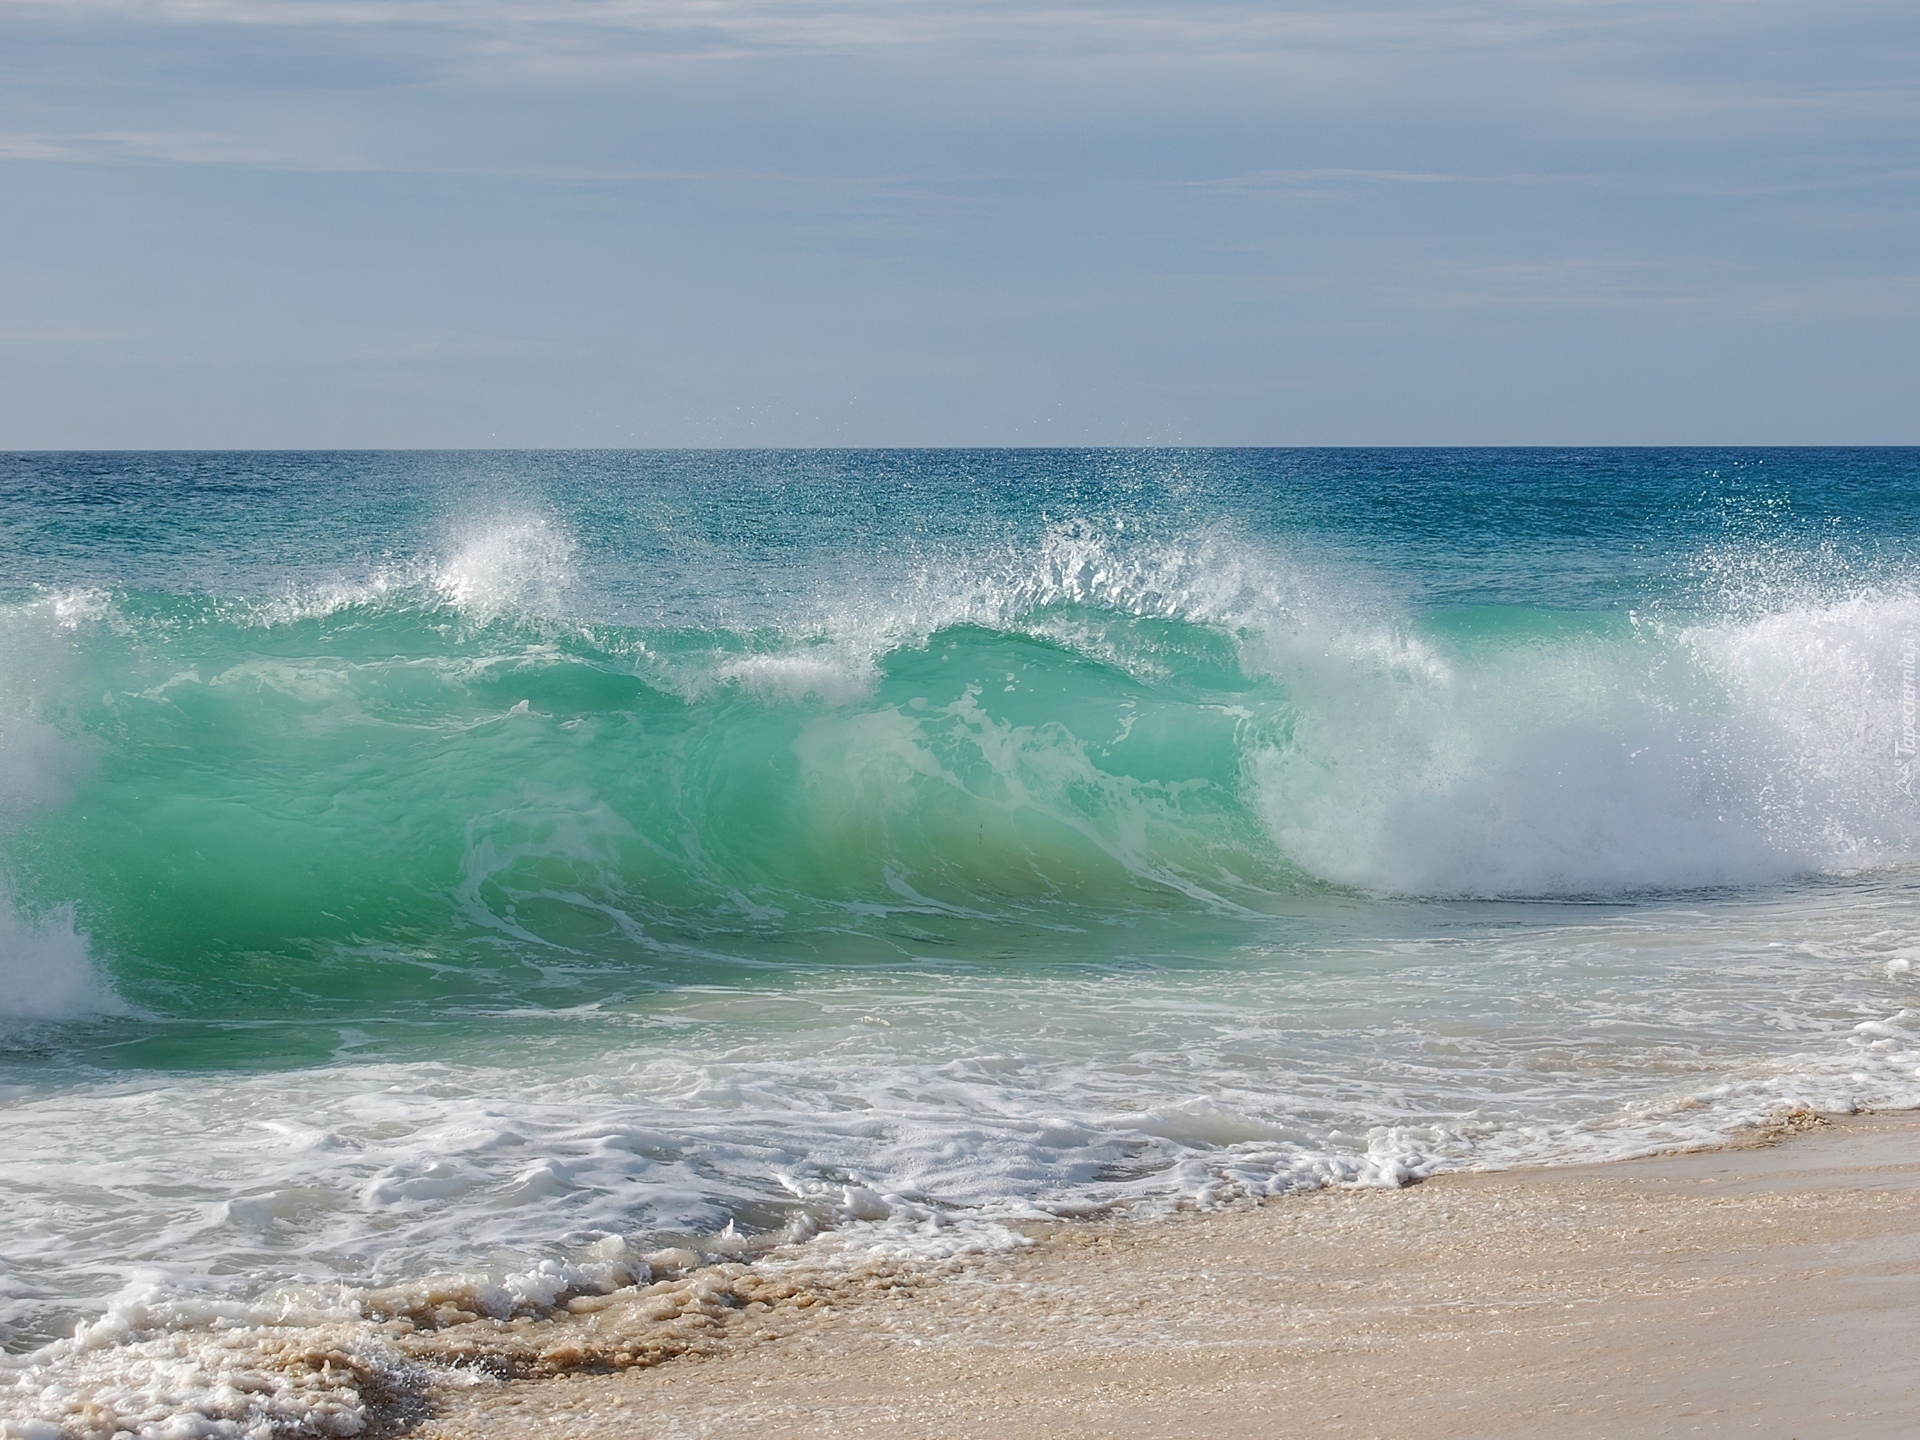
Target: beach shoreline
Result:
[[432, 894], [1755, 1289]]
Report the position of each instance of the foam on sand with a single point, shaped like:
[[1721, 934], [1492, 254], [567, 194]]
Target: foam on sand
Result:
[[303, 1363], [1766, 1290]]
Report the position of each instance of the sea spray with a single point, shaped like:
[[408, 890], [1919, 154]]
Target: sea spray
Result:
[[46, 971]]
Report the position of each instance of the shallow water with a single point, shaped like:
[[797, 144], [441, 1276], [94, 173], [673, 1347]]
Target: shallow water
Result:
[[465, 862]]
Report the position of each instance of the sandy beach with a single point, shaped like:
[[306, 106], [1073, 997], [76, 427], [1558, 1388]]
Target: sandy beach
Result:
[[1766, 1289]]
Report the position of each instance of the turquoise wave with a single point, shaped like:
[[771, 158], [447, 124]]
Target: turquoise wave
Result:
[[396, 803], [387, 802]]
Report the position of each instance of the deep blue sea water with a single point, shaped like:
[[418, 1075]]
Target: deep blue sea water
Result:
[[421, 863]]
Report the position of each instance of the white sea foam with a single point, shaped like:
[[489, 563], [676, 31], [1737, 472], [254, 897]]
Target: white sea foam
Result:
[[1750, 743], [40, 759], [1702, 754], [172, 1370], [831, 648], [514, 565], [832, 674], [46, 970], [520, 565], [902, 1116], [306, 1362], [1754, 742]]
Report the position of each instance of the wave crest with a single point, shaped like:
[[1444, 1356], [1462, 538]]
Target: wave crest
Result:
[[1102, 721]]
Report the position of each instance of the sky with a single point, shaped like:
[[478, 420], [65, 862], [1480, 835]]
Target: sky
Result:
[[374, 223]]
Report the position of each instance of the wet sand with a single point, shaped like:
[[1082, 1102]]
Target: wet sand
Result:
[[1769, 1290]]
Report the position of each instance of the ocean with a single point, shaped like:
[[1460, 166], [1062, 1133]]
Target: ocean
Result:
[[491, 869]]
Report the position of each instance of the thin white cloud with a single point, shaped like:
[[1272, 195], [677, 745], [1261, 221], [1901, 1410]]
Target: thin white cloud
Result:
[[1642, 63], [187, 147], [210, 148], [1614, 285], [1333, 180], [1010, 26], [38, 147], [58, 335], [1330, 181]]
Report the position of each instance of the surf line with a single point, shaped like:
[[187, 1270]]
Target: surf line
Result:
[[1909, 708]]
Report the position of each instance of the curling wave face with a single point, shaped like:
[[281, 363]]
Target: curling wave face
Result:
[[419, 790]]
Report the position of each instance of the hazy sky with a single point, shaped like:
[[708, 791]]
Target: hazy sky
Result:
[[724, 222]]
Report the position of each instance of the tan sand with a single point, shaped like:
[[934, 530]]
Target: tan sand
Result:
[[1770, 1291]]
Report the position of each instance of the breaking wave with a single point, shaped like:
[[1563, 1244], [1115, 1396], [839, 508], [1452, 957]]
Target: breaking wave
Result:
[[1093, 730]]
